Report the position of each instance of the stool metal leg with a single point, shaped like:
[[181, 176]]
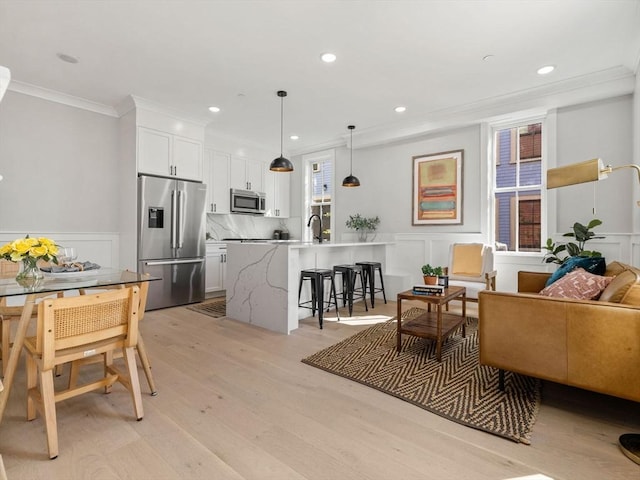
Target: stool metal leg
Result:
[[372, 282], [363, 286], [335, 297], [384, 295], [320, 298]]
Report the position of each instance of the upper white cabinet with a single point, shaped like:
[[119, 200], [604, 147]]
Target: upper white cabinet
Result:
[[247, 174], [216, 176], [167, 154], [278, 190]]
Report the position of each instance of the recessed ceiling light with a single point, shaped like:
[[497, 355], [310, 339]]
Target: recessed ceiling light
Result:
[[214, 109], [294, 137], [546, 69], [328, 57], [400, 109], [67, 58]]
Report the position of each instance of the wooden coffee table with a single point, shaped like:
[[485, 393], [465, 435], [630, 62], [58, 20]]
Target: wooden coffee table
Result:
[[436, 325]]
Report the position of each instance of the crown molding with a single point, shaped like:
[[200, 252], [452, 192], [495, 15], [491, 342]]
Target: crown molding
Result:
[[63, 98], [133, 101], [607, 83]]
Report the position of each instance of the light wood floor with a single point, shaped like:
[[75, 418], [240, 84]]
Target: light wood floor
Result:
[[235, 402]]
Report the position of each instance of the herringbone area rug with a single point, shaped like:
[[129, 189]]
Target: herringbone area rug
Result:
[[458, 388]]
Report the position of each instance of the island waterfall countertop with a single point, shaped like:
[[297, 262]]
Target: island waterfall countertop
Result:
[[262, 276]]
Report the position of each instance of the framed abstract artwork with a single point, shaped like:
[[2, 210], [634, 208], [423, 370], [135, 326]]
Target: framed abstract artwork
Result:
[[437, 188]]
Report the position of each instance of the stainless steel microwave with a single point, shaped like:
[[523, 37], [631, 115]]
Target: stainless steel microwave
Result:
[[247, 201]]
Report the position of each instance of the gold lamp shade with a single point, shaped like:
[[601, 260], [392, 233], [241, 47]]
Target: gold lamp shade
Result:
[[588, 171]]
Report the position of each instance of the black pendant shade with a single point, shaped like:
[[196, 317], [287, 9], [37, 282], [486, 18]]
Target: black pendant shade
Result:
[[281, 164], [351, 180]]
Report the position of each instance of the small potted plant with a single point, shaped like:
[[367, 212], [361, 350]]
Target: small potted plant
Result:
[[430, 274]]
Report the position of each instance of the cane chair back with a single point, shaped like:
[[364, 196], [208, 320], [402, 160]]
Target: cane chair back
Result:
[[140, 347], [72, 328]]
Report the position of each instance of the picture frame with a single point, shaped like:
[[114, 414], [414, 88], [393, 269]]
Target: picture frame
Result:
[[437, 188]]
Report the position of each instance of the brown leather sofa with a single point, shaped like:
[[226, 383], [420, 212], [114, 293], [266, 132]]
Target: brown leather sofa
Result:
[[590, 344]]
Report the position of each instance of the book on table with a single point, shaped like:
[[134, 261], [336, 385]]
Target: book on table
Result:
[[428, 290]]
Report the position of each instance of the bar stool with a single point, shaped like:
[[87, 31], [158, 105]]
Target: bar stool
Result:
[[369, 269], [349, 274], [318, 276]]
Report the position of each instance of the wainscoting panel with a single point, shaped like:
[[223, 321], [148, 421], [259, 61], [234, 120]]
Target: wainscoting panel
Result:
[[100, 248]]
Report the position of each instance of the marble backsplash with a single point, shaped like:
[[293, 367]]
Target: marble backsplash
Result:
[[250, 226]]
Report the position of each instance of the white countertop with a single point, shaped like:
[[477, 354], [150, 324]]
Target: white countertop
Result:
[[301, 244]]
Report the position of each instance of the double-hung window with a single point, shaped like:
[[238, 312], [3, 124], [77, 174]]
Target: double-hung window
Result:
[[319, 191], [517, 190]]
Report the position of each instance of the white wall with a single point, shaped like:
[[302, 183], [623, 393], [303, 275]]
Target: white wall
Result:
[[386, 178], [601, 129], [59, 165]]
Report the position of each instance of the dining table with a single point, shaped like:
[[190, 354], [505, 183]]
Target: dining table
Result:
[[53, 284]]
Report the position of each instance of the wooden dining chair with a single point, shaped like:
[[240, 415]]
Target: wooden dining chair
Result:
[[72, 328], [8, 314], [140, 347]]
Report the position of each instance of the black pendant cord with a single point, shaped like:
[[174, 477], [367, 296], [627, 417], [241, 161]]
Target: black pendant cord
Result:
[[351, 160], [281, 123]]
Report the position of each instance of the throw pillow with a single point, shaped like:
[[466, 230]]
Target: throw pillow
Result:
[[595, 265], [578, 284]]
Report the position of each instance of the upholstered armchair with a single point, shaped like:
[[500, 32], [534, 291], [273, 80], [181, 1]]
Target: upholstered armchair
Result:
[[471, 266]]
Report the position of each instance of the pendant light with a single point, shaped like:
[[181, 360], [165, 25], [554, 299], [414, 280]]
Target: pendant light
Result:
[[281, 164], [351, 181]]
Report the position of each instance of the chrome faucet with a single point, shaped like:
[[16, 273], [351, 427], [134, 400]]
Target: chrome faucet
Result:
[[319, 237]]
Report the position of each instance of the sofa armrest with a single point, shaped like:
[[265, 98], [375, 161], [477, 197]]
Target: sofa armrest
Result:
[[532, 282]]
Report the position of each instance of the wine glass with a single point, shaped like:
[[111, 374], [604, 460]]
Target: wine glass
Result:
[[66, 255]]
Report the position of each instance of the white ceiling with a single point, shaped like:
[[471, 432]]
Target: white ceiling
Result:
[[426, 55]]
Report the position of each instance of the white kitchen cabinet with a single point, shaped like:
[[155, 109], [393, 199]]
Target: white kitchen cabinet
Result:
[[216, 176], [247, 174], [216, 268], [278, 190], [162, 153]]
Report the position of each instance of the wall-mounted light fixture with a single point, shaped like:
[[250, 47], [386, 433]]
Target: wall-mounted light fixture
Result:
[[351, 180], [281, 164]]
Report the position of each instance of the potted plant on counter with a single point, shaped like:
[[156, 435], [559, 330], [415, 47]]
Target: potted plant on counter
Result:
[[430, 274], [363, 225]]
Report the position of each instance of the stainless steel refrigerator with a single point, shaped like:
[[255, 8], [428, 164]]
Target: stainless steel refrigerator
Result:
[[171, 239]]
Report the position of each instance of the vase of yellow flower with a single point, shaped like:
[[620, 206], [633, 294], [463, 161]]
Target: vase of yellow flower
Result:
[[28, 251]]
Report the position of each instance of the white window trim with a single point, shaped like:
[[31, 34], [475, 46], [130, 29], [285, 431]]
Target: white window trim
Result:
[[549, 148], [308, 161]]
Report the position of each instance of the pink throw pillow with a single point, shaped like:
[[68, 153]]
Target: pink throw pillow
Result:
[[578, 284]]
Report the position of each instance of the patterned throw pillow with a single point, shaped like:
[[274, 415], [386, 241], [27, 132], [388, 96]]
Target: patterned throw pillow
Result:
[[578, 284]]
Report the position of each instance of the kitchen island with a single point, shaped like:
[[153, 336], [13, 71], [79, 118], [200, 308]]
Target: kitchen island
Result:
[[262, 277]]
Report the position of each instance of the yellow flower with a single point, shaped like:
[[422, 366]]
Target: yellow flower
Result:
[[30, 249], [38, 251], [5, 249]]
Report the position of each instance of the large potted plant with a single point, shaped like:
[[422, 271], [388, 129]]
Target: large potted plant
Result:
[[363, 225], [570, 255], [430, 274], [582, 234]]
